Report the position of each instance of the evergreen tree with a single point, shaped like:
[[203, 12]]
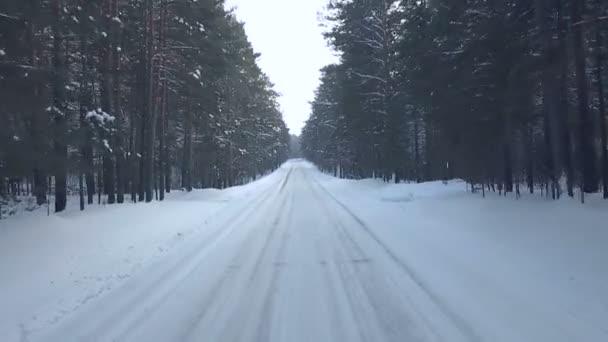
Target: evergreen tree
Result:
[[115, 97], [480, 90]]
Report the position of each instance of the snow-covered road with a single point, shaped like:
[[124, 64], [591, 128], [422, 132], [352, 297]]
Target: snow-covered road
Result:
[[290, 264], [289, 258]]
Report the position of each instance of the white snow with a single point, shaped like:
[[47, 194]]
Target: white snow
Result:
[[106, 144], [54, 110], [52, 267], [2, 52], [302, 256], [512, 270], [100, 116]]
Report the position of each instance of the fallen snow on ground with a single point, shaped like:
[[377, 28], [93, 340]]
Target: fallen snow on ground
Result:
[[16, 205], [51, 266], [300, 256], [531, 269]]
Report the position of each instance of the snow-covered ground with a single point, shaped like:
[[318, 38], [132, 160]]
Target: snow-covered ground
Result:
[[301, 256]]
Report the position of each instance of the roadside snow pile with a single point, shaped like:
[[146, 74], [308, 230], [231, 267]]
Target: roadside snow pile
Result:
[[521, 270], [52, 265], [390, 192], [14, 205]]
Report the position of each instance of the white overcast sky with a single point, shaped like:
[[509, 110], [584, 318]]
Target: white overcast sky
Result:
[[287, 34]]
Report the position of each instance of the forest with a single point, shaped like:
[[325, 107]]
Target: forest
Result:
[[508, 95], [111, 101]]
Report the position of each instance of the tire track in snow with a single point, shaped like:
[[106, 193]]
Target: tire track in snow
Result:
[[364, 285], [264, 328], [154, 291], [243, 216], [338, 322], [347, 285], [423, 287], [243, 277]]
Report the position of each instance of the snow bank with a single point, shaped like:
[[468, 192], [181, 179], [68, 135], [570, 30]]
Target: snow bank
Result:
[[52, 265], [517, 270]]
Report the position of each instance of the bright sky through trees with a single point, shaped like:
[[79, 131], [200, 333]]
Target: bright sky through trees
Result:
[[288, 35]]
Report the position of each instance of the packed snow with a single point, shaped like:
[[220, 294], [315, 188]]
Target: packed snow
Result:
[[302, 256]]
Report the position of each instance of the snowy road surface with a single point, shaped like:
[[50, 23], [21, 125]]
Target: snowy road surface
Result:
[[292, 260]]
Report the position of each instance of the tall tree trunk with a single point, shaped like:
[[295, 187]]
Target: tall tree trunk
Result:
[[530, 158], [149, 112], [107, 102], [187, 152], [144, 105], [81, 189], [131, 159], [416, 153], [162, 93], [508, 155], [566, 144], [119, 137], [165, 151], [86, 105], [141, 187], [589, 177], [548, 94], [59, 110], [601, 102], [161, 155], [86, 149], [40, 184]]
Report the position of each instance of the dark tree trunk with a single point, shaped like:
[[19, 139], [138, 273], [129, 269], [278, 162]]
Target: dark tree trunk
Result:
[[566, 144], [163, 103], [507, 165], [86, 143], [548, 95], [416, 153], [59, 111], [99, 184], [507, 148], [107, 102], [165, 151], [108, 176], [529, 158], [131, 160], [119, 138], [81, 189], [141, 188], [86, 104], [161, 155], [601, 104], [589, 177], [149, 113], [40, 185], [187, 152], [89, 167]]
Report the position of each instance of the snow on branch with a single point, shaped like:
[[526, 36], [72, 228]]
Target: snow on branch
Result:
[[100, 116], [7, 16], [370, 77]]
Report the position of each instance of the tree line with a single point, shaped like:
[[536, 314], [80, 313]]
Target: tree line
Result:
[[501, 93], [119, 100]]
